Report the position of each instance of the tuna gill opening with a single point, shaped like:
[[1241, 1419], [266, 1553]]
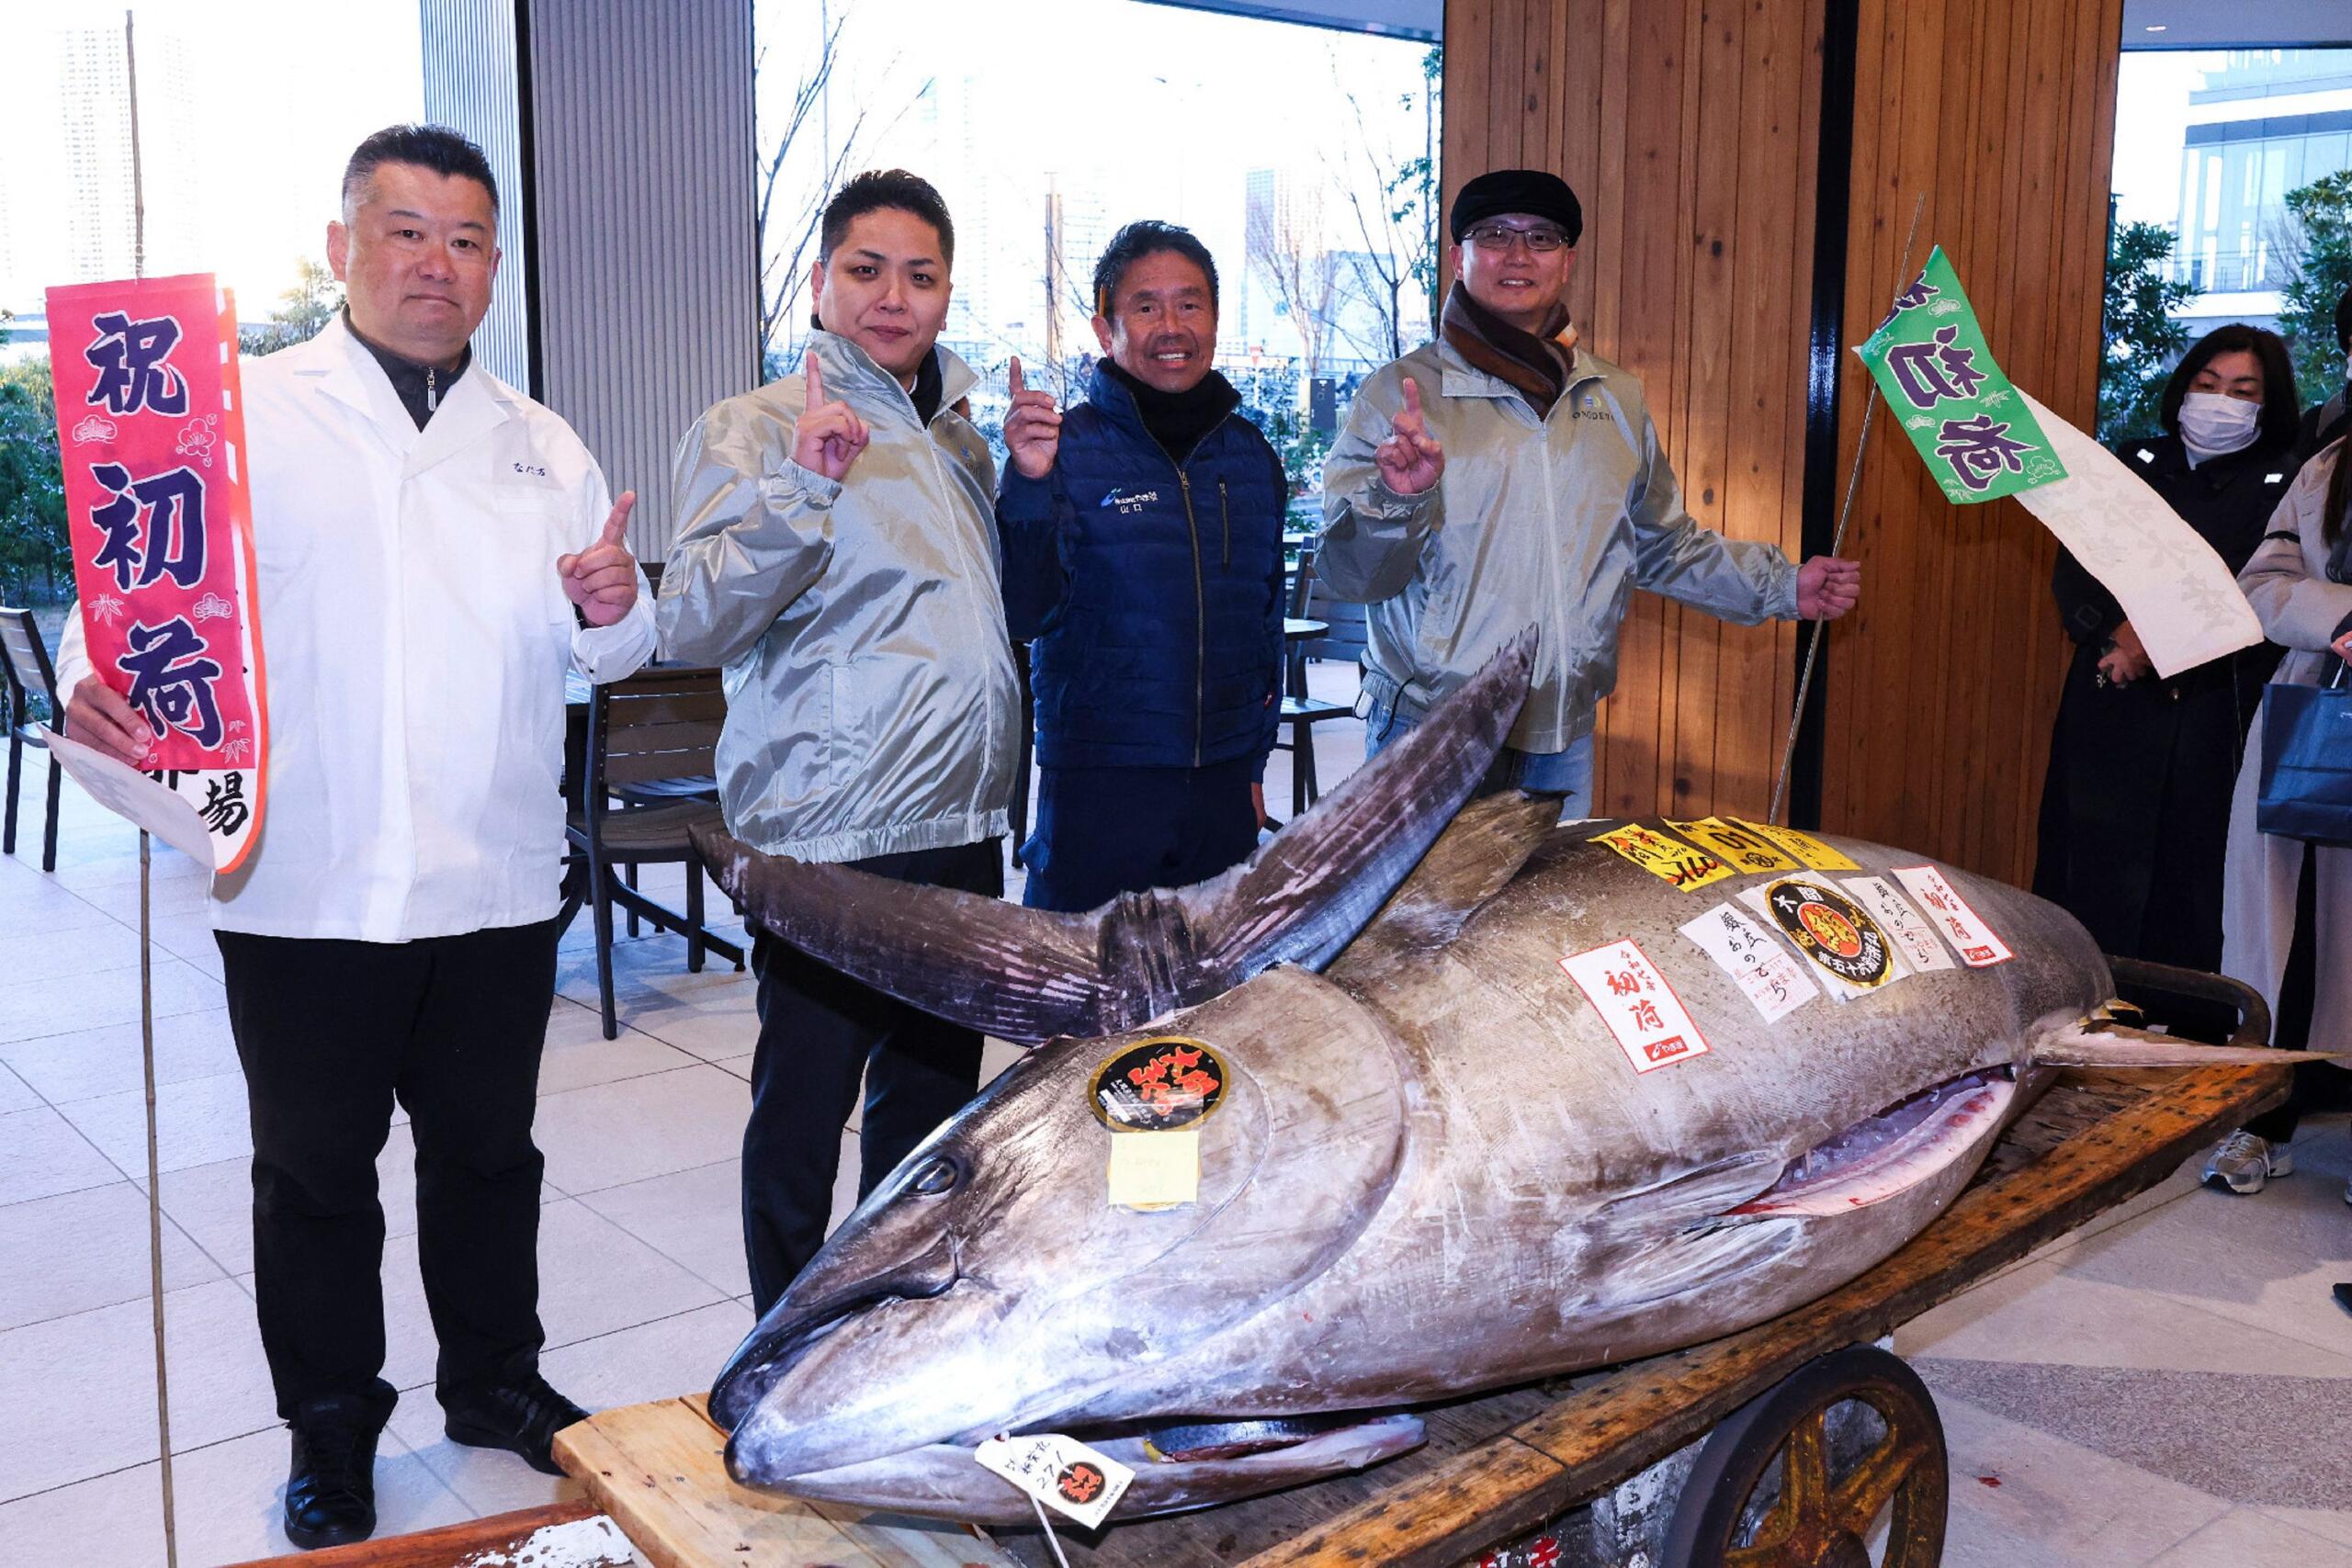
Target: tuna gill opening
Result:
[[772, 1350]]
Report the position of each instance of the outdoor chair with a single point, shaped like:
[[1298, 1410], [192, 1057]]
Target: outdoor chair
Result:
[[651, 727], [26, 673], [1300, 711]]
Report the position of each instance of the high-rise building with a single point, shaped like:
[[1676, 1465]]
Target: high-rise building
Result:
[[95, 92], [2266, 122]]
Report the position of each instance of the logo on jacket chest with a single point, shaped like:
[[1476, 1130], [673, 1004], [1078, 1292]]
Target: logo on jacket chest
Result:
[[1129, 502]]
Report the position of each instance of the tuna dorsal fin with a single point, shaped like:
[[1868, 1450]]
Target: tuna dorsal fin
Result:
[[1476, 858], [1026, 975], [2116, 1046]]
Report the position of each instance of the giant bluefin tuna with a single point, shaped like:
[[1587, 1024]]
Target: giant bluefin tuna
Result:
[[1477, 1098]]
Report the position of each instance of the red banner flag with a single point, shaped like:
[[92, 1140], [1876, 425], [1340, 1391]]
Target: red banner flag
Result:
[[151, 424]]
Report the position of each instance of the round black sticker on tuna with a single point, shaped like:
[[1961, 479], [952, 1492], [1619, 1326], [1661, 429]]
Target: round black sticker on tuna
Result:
[[1833, 931], [1157, 1085]]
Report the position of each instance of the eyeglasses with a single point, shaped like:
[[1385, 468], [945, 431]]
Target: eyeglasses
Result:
[[1502, 236]]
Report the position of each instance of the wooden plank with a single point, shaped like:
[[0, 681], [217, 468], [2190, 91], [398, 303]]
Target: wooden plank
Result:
[[490, 1543], [1615, 1427], [658, 1469]]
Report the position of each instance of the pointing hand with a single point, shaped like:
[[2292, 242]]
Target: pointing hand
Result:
[[829, 436], [1411, 459], [1032, 428], [602, 578]]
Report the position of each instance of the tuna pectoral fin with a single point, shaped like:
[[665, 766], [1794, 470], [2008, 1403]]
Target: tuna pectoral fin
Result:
[[2117, 1046], [1024, 974], [1472, 860]]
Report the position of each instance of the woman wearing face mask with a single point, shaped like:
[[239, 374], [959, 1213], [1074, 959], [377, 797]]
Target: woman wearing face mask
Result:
[[2136, 810]]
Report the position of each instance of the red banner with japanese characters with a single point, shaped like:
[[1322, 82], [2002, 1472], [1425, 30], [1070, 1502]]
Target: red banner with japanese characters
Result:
[[151, 426]]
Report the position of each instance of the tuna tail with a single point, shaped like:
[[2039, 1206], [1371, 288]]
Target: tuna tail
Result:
[[1027, 974], [2118, 1046]]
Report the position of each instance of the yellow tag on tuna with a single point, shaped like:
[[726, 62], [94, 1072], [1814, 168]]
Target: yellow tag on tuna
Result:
[[1745, 850], [1668, 860], [1156, 1170], [1804, 846]]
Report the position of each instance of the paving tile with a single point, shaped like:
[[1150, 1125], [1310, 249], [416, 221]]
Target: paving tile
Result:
[[56, 952], [174, 895], [89, 1063], [85, 1249], [608, 1134], [578, 1054], [42, 1154], [14, 1093], [711, 1014], [197, 1121], [228, 1499], [2022, 1498], [2333, 1524], [652, 1360], [694, 1217], [2244, 1538], [2042, 1314], [31, 1007], [77, 1394]]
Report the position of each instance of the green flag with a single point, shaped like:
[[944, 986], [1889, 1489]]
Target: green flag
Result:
[[1973, 428]]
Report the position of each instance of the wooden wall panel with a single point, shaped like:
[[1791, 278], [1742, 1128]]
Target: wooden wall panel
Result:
[[1943, 685], [1692, 132], [1688, 131]]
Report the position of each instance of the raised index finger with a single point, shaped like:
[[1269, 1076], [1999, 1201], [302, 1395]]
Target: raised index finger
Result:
[[616, 525], [1412, 396], [814, 381], [1019, 386]]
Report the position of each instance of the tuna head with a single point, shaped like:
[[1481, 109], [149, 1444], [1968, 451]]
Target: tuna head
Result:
[[990, 1285]]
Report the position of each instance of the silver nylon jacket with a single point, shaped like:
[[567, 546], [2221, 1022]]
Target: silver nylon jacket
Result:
[[870, 694], [1551, 522]]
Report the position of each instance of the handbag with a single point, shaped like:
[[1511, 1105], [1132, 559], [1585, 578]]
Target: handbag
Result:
[[2307, 762]]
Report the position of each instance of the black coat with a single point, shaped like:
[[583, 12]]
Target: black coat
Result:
[[2135, 810]]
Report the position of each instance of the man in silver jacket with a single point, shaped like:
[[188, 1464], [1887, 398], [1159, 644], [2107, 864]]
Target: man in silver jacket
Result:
[[1555, 503], [837, 553]]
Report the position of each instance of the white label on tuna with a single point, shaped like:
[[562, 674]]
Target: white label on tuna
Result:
[[1765, 970], [1059, 1472], [1915, 936], [1652, 1026], [1971, 937]]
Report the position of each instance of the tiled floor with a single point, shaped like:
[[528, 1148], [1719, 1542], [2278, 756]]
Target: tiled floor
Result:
[[2169, 1387]]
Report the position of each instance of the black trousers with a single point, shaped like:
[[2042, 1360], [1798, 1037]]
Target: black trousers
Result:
[[818, 1030], [330, 1034], [1104, 831]]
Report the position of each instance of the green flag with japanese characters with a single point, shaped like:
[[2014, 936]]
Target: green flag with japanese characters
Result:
[[1973, 430]]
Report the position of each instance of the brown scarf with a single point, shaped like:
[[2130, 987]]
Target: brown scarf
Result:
[[1536, 367]]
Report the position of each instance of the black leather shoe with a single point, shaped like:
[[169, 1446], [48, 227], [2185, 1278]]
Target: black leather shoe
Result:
[[521, 1415], [331, 1487]]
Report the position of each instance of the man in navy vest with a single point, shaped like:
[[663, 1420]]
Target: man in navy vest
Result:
[[1143, 560]]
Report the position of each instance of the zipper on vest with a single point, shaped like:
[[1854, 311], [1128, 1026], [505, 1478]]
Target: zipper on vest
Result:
[[1200, 617], [1225, 516]]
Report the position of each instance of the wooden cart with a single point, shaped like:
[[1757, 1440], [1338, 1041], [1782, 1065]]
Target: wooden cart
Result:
[[1774, 1483]]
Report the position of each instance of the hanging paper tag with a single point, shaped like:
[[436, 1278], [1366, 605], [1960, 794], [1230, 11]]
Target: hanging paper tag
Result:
[[1156, 1170], [1665, 858], [1913, 936], [1804, 846], [1061, 1473], [1649, 1021], [1977, 945], [1744, 850], [1774, 981]]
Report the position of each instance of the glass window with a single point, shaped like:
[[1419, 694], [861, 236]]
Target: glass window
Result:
[[2231, 203], [1049, 124]]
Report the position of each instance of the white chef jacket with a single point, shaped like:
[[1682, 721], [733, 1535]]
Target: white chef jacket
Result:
[[414, 638]]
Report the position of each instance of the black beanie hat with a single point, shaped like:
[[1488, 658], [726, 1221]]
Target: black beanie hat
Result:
[[2344, 321], [1536, 192]]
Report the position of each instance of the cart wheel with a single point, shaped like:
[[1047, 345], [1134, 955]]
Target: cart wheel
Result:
[[1816, 1507]]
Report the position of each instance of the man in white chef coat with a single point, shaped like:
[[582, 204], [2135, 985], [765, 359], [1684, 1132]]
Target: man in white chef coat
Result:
[[434, 550]]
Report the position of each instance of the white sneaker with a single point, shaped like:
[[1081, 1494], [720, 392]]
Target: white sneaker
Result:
[[2246, 1162]]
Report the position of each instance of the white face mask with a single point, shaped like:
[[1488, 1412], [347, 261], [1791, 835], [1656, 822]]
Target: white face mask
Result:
[[2211, 423]]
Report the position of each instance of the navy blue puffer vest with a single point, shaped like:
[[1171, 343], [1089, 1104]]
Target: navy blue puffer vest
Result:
[[1152, 590]]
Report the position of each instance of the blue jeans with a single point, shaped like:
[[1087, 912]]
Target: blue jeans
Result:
[[1568, 775]]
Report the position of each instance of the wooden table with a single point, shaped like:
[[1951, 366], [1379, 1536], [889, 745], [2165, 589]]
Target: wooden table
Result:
[[1495, 1466]]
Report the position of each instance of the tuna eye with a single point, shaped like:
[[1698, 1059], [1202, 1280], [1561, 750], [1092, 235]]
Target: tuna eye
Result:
[[936, 1175]]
